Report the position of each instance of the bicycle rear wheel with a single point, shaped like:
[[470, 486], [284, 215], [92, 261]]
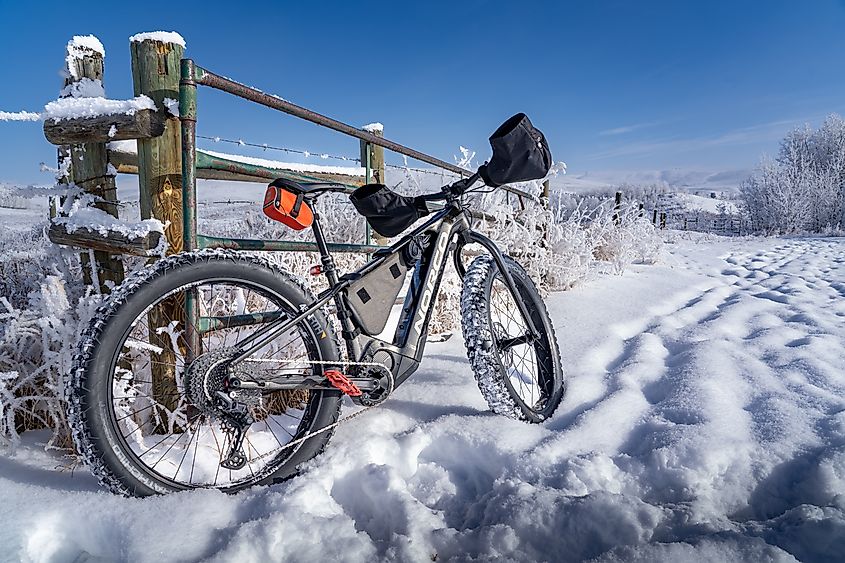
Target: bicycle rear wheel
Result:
[[144, 424]]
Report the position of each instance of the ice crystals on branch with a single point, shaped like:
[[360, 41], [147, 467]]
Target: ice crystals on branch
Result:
[[19, 116], [466, 158]]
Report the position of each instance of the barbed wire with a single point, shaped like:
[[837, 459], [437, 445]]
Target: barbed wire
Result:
[[324, 156], [265, 146]]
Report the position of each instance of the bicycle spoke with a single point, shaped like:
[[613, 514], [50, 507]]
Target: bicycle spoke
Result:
[[161, 418]]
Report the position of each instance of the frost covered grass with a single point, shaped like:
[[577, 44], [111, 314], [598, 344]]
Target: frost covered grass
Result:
[[42, 310], [559, 247]]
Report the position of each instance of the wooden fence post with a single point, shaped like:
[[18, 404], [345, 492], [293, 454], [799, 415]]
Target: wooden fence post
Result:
[[156, 73], [663, 220], [372, 159], [642, 210], [89, 168], [617, 207], [654, 218]]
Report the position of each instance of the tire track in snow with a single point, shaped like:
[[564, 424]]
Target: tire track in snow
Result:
[[725, 403]]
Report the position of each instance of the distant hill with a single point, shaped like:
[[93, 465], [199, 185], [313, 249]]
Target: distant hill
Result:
[[677, 180]]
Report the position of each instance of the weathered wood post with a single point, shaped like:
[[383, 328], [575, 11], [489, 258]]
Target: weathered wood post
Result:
[[546, 206], [155, 73], [654, 218], [642, 210], [617, 207], [89, 167], [663, 220], [372, 159]]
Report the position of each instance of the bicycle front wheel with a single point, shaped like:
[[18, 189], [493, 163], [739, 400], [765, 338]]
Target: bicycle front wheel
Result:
[[518, 378]]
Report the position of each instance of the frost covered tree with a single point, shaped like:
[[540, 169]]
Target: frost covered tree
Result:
[[803, 189]]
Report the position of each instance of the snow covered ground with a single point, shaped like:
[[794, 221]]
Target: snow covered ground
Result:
[[705, 421]]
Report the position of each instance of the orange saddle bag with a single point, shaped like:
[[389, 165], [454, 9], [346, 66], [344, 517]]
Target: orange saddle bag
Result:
[[285, 206]]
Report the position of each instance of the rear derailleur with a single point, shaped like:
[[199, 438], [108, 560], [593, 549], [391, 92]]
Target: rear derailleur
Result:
[[211, 387], [235, 419]]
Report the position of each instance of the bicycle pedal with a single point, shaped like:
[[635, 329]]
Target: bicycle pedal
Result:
[[340, 381]]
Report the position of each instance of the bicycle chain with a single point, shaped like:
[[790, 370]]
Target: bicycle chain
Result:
[[345, 364]]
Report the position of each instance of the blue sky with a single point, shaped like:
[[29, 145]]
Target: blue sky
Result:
[[615, 85]]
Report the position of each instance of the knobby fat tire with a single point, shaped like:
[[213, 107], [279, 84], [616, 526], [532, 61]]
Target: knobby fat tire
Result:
[[478, 337], [86, 387]]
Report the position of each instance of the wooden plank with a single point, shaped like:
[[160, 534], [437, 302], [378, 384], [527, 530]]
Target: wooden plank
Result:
[[206, 174], [124, 162], [113, 242], [127, 163], [143, 124]]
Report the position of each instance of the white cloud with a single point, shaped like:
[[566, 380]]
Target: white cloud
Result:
[[627, 129], [770, 131]]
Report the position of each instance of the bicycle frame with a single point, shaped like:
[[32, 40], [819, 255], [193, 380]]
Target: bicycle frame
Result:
[[449, 230]]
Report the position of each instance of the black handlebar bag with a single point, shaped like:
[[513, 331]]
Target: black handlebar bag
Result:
[[520, 153], [387, 212]]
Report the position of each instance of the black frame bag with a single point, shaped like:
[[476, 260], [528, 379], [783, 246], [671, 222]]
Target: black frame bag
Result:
[[520, 153], [387, 212]]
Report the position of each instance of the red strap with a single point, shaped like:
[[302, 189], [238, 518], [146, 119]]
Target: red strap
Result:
[[342, 382]]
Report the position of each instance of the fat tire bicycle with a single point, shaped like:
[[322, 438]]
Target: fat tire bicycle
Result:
[[262, 393]]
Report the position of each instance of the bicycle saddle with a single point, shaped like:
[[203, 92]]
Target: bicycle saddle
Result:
[[309, 190]]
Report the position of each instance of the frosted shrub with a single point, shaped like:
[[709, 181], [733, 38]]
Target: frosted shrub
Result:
[[44, 305], [37, 342], [803, 189], [623, 237]]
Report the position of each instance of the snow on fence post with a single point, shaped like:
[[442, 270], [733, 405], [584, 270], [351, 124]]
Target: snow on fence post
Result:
[[663, 220], [372, 159], [89, 167], [156, 61]]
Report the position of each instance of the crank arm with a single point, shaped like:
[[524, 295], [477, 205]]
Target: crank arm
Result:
[[302, 382]]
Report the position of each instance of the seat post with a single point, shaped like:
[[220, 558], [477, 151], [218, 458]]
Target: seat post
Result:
[[349, 331], [325, 256]]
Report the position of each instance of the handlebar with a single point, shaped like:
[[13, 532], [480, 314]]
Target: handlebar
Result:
[[451, 190]]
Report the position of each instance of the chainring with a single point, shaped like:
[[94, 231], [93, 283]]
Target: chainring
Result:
[[384, 385]]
